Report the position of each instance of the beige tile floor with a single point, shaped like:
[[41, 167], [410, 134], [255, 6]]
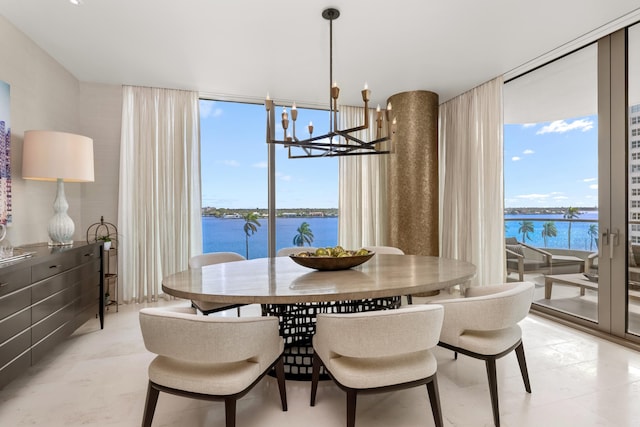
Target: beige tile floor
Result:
[[98, 378]]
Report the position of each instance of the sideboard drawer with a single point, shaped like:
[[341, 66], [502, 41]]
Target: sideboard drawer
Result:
[[10, 349], [14, 280], [14, 302], [15, 324]]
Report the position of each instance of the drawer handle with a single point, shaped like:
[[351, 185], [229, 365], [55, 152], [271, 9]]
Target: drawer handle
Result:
[[3, 284], [55, 266], [89, 254]]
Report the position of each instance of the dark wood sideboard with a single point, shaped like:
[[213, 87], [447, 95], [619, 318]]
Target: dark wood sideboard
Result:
[[44, 298]]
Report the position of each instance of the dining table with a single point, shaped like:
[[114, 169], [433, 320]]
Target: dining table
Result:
[[296, 294]]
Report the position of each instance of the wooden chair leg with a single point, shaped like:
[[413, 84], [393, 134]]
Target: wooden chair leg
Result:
[[150, 405], [315, 377], [523, 367], [493, 389], [434, 399], [230, 412], [352, 396], [409, 299], [281, 382]]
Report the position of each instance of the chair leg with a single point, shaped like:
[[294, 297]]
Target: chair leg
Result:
[[352, 395], [238, 311], [315, 377], [493, 389], [281, 382], [523, 367], [409, 299], [230, 412], [150, 405], [434, 399], [455, 355]]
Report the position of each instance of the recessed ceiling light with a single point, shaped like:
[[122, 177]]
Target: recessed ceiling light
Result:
[[76, 2]]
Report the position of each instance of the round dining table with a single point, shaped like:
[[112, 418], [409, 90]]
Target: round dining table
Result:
[[296, 294]]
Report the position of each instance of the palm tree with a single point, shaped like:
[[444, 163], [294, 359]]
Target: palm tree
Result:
[[305, 235], [570, 214], [549, 230], [526, 227], [593, 233], [250, 223]]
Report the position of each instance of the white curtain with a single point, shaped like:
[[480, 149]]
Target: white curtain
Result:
[[362, 195], [159, 215], [471, 188]]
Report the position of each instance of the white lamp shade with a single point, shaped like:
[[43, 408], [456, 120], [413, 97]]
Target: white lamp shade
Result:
[[49, 155]]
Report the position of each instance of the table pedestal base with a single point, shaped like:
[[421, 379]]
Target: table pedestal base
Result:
[[298, 325]]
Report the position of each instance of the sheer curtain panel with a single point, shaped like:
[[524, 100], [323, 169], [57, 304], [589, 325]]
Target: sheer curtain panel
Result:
[[362, 195], [159, 203], [471, 155]]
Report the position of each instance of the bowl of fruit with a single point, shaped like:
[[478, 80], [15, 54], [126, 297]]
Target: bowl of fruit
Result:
[[335, 258]]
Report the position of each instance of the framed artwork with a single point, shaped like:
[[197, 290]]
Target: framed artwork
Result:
[[5, 154]]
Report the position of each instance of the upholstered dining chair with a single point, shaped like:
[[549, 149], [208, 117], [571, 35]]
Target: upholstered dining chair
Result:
[[484, 325], [388, 250], [294, 250], [378, 351], [199, 261], [209, 358]]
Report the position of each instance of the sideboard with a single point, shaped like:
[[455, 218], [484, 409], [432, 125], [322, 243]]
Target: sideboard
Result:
[[44, 298]]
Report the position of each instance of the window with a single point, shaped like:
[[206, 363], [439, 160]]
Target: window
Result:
[[234, 172]]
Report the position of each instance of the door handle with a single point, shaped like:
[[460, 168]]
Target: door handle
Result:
[[611, 238]]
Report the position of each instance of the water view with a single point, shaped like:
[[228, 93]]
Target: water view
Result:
[[581, 236], [227, 235]]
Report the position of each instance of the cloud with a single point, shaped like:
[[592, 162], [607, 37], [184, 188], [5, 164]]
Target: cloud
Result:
[[589, 179], [561, 126], [209, 109], [593, 186], [515, 158], [533, 196], [232, 163], [283, 177], [560, 198], [528, 151], [260, 165], [529, 125]]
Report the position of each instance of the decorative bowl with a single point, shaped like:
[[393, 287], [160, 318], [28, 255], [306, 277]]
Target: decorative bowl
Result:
[[327, 263]]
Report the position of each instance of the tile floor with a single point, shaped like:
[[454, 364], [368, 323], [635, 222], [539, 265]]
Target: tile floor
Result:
[[98, 378]]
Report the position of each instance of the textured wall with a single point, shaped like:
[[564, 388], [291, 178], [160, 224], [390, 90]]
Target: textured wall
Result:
[[413, 174]]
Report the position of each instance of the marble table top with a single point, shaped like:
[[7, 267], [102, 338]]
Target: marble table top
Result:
[[281, 281]]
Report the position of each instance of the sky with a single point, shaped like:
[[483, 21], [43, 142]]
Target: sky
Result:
[[234, 160], [552, 164]]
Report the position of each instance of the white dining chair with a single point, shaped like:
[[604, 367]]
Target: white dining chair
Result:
[[209, 358], [484, 325], [378, 351], [210, 258]]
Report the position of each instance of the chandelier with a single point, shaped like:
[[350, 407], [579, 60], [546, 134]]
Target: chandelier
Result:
[[337, 142]]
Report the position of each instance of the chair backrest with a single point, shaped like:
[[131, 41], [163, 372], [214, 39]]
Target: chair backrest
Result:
[[489, 308], [380, 333], [198, 261], [294, 250], [388, 250], [208, 339]]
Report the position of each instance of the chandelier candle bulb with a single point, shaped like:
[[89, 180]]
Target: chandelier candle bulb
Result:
[[344, 142]]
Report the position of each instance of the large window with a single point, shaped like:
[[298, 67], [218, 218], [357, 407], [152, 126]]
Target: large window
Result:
[[551, 174], [235, 187]]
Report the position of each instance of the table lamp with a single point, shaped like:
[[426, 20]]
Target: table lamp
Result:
[[62, 157]]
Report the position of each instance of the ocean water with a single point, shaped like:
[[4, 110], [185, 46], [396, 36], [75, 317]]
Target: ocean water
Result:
[[580, 238], [227, 235]]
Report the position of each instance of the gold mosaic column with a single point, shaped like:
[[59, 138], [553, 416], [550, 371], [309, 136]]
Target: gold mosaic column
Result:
[[413, 174]]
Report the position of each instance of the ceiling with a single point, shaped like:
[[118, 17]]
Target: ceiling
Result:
[[244, 49]]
